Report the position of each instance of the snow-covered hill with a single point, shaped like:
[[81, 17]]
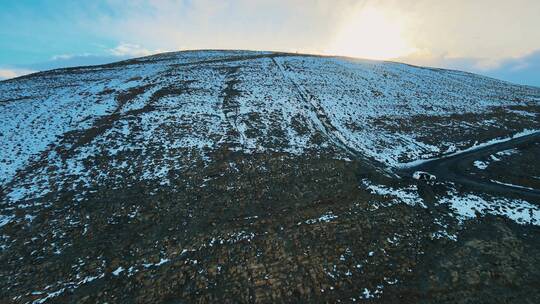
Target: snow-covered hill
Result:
[[212, 175]]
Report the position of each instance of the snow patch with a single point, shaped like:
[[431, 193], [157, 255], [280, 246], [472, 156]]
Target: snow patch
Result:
[[468, 206], [408, 195], [480, 164]]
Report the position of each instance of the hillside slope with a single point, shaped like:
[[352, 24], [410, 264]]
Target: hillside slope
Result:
[[259, 176]]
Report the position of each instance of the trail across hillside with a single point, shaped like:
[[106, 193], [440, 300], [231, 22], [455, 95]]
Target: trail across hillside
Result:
[[320, 118]]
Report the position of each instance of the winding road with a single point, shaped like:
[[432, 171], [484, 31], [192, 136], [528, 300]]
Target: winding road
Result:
[[453, 167]]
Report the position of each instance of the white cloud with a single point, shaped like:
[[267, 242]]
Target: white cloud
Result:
[[70, 56], [121, 52], [12, 73], [295, 25], [62, 57], [522, 69], [132, 50]]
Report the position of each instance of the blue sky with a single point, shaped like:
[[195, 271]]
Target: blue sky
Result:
[[34, 33], [491, 37]]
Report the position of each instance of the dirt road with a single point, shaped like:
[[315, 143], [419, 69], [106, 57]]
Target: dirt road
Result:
[[454, 168]]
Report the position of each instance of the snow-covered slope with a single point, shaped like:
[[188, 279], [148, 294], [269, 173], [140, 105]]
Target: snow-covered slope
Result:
[[247, 101]]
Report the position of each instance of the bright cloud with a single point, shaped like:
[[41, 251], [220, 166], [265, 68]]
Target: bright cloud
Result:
[[132, 50], [70, 56], [12, 73]]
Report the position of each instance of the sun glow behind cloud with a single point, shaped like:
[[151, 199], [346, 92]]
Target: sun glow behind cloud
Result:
[[371, 33]]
